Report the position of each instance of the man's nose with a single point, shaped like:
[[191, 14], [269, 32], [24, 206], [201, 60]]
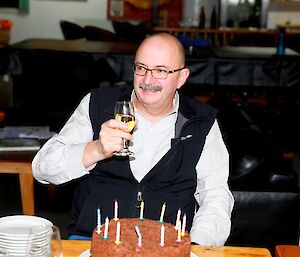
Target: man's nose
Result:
[[148, 78]]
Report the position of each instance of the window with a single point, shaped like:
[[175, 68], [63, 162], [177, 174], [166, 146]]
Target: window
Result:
[[9, 3], [21, 5]]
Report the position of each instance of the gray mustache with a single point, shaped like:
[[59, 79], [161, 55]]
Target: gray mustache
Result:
[[150, 87]]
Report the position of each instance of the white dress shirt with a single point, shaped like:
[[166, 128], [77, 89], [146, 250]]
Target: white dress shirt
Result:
[[60, 160]]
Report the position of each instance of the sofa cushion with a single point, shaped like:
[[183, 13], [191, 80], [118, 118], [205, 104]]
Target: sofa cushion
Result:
[[264, 219]]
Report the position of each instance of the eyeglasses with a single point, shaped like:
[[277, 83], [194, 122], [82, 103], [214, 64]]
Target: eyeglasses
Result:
[[157, 73]]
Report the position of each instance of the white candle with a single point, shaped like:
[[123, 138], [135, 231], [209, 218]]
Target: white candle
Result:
[[139, 242], [183, 225], [116, 211], [98, 221], [179, 232], [177, 219], [105, 236], [142, 211], [162, 235], [118, 233], [163, 209], [137, 230]]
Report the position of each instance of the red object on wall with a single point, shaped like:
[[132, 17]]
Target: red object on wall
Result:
[[170, 10], [6, 24], [2, 116]]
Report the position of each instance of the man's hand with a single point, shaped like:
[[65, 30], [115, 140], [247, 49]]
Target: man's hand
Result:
[[110, 140]]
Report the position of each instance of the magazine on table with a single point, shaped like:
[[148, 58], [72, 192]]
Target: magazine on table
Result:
[[19, 144], [38, 132], [23, 138]]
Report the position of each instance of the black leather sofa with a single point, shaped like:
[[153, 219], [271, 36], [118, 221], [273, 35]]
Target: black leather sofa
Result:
[[267, 199]]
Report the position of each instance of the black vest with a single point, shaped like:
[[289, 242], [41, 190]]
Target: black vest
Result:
[[172, 180]]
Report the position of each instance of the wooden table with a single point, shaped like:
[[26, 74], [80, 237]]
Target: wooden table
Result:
[[287, 251], [73, 248], [19, 163], [26, 181]]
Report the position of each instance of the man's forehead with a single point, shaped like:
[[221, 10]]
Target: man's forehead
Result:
[[152, 66]]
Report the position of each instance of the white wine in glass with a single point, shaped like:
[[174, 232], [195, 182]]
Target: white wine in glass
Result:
[[124, 111]]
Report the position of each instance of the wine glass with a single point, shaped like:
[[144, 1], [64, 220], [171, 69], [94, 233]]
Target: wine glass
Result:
[[56, 247], [124, 111]]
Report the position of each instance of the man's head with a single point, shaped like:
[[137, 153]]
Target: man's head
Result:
[[164, 55]]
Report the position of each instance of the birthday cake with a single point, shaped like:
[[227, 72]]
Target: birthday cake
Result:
[[151, 243]]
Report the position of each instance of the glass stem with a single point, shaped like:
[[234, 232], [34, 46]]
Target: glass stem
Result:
[[125, 144]]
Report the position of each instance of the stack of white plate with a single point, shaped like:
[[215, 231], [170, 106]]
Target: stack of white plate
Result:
[[22, 235]]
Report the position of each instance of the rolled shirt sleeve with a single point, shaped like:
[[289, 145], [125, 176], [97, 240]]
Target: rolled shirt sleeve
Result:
[[212, 221], [60, 158]]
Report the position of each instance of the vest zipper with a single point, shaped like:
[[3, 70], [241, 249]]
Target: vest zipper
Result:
[[139, 199], [137, 202]]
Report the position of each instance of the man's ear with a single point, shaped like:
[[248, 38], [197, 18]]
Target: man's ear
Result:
[[184, 74]]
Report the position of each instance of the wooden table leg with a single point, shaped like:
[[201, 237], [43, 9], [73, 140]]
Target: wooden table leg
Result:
[[27, 193]]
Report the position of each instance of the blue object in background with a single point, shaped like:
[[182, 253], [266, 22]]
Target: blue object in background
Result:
[[281, 42], [199, 42], [78, 237]]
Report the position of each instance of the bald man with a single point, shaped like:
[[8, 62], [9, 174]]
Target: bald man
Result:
[[180, 158]]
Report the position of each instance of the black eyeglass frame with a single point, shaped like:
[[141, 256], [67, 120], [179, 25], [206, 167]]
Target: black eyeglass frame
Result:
[[147, 69]]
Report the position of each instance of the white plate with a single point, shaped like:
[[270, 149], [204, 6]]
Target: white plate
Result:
[[19, 239], [18, 226], [87, 253], [13, 241], [22, 252], [12, 245]]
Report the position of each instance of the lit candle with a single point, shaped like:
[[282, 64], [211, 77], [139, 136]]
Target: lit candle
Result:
[[183, 225], [162, 235], [142, 211], [118, 233], [105, 236], [179, 232], [163, 209], [116, 210], [98, 221], [138, 232], [177, 219]]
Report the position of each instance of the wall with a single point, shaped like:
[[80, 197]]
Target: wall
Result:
[[191, 10], [280, 13], [44, 16]]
